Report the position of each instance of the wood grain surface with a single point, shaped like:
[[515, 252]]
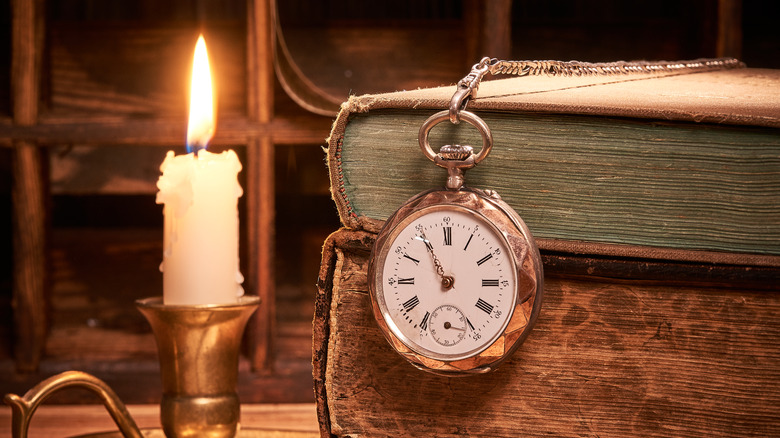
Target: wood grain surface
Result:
[[29, 191], [605, 359], [296, 420]]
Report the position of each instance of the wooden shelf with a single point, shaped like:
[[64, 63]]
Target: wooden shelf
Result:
[[110, 130]]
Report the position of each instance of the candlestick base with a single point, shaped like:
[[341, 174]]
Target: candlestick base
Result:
[[24, 407], [198, 349]]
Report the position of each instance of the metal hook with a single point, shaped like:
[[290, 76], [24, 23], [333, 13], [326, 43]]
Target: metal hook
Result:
[[24, 407], [467, 88]]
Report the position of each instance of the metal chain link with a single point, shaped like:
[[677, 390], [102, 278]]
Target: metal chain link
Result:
[[577, 68], [468, 86]]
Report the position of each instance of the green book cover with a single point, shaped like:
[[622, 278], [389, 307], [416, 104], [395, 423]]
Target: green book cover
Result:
[[675, 167]]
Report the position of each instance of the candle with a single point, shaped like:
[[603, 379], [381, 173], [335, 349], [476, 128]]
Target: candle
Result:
[[200, 194]]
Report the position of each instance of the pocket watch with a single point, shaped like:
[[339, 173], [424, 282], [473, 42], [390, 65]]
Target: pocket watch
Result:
[[455, 276]]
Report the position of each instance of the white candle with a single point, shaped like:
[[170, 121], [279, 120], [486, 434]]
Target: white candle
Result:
[[200, 192], [200, 246]]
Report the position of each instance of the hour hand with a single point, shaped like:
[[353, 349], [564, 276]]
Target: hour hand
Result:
[[447, 281]]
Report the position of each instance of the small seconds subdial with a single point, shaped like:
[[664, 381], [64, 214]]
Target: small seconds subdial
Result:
[[451, 319], [448, 325]]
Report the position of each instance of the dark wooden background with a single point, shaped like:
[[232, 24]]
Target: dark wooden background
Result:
[[113, 101]]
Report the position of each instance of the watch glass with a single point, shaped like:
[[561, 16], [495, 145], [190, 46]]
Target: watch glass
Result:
[[446, 282]]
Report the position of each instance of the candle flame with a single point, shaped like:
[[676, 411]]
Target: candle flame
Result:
[[201, 124]]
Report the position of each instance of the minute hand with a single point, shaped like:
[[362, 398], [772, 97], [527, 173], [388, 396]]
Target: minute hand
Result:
[[447, 281]]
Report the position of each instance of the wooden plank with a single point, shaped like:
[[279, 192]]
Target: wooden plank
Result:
[[28, 192], [496, 29], [65, 421], [260, 58], [30, 259], [26, 41], [165, 131], [297, 420], [260, 239], [136, 69], [605, 358], [367, 57], [729, 38], [260, 183], [489, 29], [131, 68]]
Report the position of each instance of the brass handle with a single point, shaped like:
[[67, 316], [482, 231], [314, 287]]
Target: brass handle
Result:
[[24, 407]]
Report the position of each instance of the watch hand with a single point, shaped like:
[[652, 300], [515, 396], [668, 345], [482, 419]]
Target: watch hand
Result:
[[447, 325], [447, 281]]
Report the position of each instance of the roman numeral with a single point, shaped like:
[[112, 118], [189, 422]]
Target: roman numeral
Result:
[[484, 306], [447, 235], [416, 262], [411, 303], [489, 283], [484, 259], [424, 323], [406, 280], [468, 242]]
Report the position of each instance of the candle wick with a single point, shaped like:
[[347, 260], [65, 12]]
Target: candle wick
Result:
[[196, 148]]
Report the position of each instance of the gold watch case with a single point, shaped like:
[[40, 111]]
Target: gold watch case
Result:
[[529, 279]]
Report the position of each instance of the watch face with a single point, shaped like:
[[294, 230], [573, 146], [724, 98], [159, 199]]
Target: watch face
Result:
[[445, 282]]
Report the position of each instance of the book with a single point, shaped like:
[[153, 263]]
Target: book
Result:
[[605, 358], [669, 166]]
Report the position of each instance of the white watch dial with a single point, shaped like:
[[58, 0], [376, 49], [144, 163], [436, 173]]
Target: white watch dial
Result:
[[446, 285]]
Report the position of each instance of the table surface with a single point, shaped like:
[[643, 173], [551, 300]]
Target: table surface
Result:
[[59, 421]]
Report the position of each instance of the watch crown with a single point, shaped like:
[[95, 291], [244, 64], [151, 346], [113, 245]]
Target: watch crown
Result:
[[455, 152]]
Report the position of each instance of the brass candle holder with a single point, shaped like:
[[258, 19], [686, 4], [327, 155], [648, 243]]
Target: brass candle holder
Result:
[[198, 348]]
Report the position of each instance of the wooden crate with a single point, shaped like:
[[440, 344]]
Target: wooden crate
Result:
[[660, 356], [116, 75]]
